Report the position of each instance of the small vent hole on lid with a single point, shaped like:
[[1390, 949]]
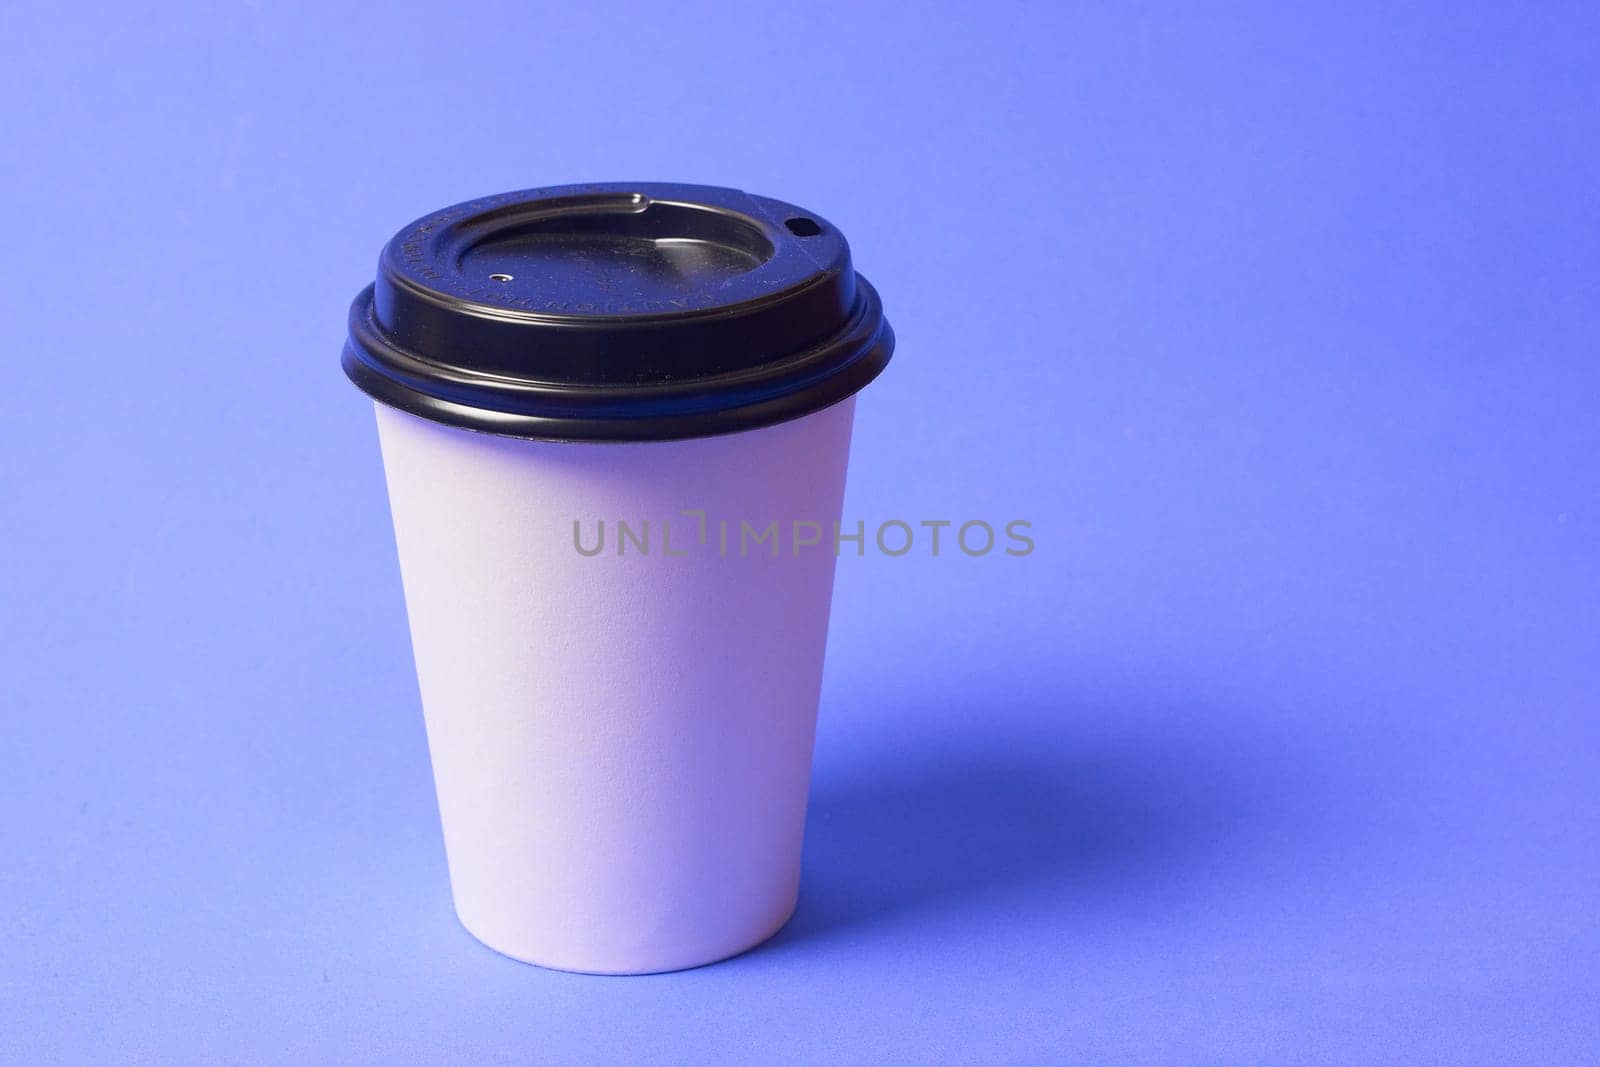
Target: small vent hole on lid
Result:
[[802, 227], [500, 277]]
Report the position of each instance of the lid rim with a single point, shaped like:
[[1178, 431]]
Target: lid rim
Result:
[[746, 399]]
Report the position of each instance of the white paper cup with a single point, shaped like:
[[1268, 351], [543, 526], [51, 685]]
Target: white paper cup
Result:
[[621, 743], [620, 720]]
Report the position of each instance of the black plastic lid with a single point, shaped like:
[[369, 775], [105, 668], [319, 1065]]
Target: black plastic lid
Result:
[[616, 312]]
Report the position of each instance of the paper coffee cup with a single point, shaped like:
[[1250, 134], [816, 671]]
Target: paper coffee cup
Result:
[[615, 423]]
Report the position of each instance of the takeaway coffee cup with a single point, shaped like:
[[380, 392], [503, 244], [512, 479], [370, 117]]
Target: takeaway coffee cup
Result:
[[615, 421]]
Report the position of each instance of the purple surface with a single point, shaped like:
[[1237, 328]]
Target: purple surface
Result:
[[1280, 326]]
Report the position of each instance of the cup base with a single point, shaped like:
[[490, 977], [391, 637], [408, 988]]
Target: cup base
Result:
[[716, 956]]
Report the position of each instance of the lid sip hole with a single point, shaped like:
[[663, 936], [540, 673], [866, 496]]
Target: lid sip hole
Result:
[[802, 227], [500, 277]]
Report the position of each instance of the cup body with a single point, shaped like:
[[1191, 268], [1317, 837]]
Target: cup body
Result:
[[621, 739]]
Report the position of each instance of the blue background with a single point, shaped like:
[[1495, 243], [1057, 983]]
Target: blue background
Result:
[[1279, 325]]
